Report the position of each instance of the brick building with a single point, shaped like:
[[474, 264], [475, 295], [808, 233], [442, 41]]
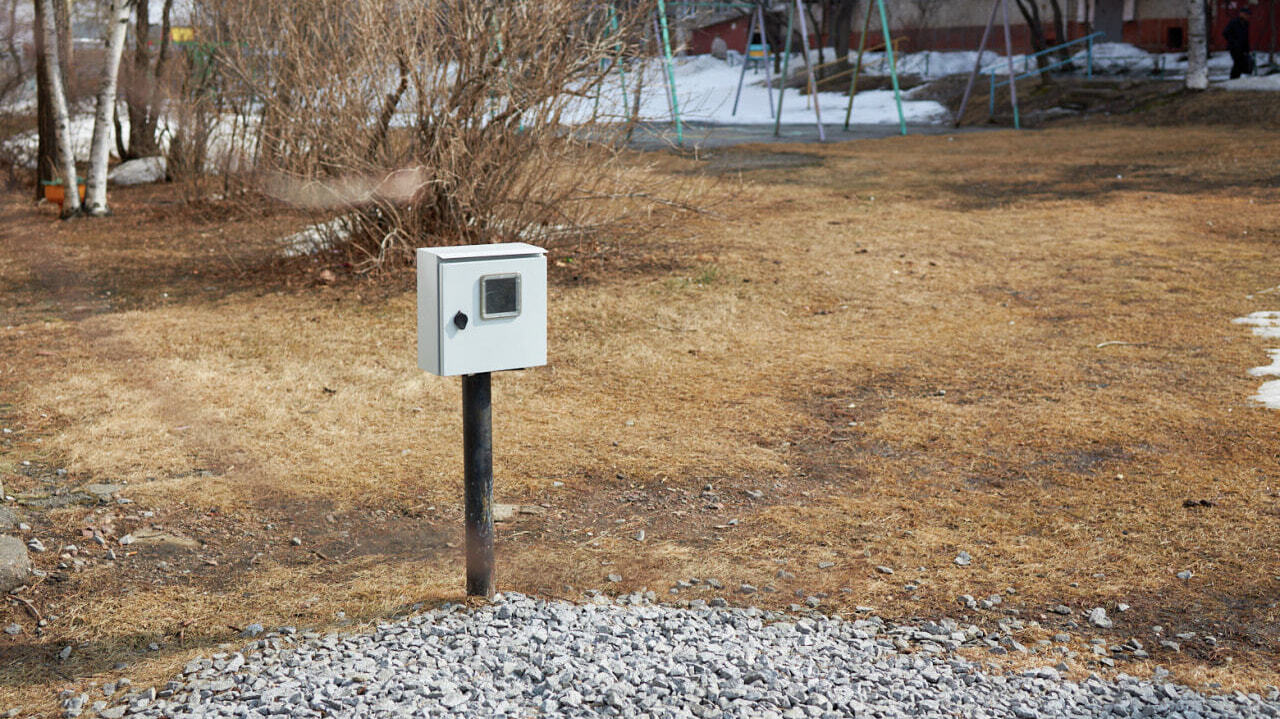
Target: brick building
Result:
[[1153, 25]]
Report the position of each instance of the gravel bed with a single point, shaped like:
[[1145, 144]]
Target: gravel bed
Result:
[[523, 657]]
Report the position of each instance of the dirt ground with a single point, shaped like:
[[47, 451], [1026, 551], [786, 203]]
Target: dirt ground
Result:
[[878, 353]]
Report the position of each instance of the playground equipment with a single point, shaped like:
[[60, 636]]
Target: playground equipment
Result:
[[786, 61], [1027, 72], [762, 52], [1013, 77], [671, 76], [891, 47], [1001, 5], [758, 52]]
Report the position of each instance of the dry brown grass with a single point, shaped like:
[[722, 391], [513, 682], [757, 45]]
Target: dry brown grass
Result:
[[736, 354]]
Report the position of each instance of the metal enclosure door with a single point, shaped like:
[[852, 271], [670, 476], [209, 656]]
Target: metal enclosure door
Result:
[[493, 343]]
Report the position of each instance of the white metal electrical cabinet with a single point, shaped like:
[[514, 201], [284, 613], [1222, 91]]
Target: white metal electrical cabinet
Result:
[[481, 308]]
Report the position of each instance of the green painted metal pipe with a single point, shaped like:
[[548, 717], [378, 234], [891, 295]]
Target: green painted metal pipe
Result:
[[671, 75], [893, 66], [622, 68]]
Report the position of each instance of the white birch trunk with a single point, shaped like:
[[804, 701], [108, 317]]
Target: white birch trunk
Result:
[[61, 116], [1197, 47], [103, 119]]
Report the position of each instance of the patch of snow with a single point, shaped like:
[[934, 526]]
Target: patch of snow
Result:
[[1116, 57], [932, 63], [1271, 370], [1269, 83], [1268, 394], [317, 238], [141, 171], [232, 140], [22, 147], [705, 89], [1114, 50], [21, 100], [1265, 323]]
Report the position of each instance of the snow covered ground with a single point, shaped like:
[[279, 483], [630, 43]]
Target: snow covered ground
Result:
[[1109, 58], [705, 86], [705, 90], [230, 140], [1264, 83], [1266, 324]]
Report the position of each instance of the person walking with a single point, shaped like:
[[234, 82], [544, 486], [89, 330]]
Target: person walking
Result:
[[1236, 33]]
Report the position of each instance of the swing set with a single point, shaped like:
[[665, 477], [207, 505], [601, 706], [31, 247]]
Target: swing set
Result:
[[762, 51]]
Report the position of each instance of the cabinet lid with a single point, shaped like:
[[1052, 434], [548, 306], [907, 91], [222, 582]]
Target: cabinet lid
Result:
[[491, 251]]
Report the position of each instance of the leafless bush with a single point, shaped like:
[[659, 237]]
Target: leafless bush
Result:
[[436, 121]]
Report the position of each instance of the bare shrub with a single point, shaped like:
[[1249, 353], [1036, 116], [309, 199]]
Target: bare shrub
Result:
[[436, 121]]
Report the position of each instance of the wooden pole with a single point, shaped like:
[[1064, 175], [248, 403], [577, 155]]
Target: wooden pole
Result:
[[857, 67]]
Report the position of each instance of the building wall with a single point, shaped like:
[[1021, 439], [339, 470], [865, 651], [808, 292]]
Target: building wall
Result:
[[1154, 25]]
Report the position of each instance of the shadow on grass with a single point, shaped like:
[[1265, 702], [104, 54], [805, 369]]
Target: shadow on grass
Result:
[[1098, 181]]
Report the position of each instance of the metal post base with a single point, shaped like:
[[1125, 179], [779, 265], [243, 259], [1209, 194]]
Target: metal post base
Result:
[[477, 454]]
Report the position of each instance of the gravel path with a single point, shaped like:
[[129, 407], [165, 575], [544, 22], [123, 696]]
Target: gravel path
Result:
[[523, 657]]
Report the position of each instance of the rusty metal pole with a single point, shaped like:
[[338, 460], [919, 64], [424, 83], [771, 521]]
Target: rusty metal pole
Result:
[[977, 64], [477, 457], [746, 58]]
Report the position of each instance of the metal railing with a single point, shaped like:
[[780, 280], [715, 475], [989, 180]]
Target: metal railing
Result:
[[991, 70]]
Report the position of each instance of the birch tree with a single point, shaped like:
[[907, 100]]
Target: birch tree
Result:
[[1197, 47], [104, 116], [62, 117]]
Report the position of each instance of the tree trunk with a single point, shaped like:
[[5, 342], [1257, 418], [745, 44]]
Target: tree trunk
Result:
[[842, 29], [817, 30], [1197, 47], [1030, 10], [62, 117], [137, 89], [66, 50], [162, 59], [46, 128], [1059, 29], [100, 150], [142, 94]]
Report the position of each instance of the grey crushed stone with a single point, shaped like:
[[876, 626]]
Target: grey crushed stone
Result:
[[524, 657]]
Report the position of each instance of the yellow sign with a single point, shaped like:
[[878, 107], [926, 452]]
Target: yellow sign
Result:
[[182, 34]]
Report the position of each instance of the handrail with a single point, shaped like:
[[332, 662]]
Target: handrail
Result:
[[1088, 39], [990, 72]]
